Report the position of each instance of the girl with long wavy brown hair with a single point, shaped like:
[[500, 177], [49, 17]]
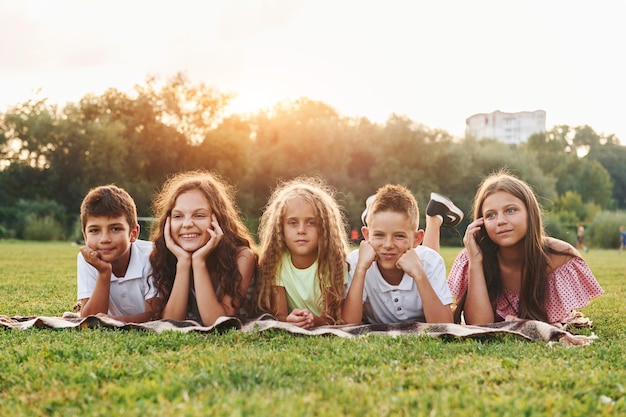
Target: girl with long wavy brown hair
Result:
[[302, 267], [204, 256], [509, 267]]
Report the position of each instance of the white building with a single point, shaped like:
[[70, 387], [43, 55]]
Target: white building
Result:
[[506, 127]]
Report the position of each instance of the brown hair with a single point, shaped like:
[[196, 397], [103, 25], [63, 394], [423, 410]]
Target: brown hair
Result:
[[108, 201], [223, 260], [332, 243], [535, 251]]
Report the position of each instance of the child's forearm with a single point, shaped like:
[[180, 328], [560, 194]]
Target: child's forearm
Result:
[[478, 308], [208, 304], [99, 300], [437, 312], [434, 310], [321, 321], [352, 308], [176, 307]]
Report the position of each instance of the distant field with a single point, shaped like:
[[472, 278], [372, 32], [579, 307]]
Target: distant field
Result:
[[100, 372]]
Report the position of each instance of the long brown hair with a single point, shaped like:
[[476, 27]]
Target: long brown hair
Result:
[[535, 258], [332, 243], [223, 260]]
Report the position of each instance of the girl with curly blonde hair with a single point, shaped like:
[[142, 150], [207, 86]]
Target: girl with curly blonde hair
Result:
[[302, 267]]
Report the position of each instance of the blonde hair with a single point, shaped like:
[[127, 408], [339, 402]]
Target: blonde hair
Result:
[[397, 199], [332, 246]]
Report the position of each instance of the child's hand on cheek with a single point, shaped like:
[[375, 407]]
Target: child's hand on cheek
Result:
[[216, 233], [410, 263], [367, 254], [301, 318], [475, 230], [176, 250], [92, 257]]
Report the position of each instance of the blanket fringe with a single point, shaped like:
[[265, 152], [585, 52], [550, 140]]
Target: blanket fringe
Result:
[[531, 330]]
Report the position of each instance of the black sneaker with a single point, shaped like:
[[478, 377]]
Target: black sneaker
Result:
[[367, 205], [444, 207]]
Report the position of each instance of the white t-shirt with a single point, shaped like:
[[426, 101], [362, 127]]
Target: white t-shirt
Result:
[[127, 294], [386, 303]]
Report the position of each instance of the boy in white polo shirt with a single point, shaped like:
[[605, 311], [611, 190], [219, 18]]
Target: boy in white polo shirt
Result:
[[114, 272], [392, 277]]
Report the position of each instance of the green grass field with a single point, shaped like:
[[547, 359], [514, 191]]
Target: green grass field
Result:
[[103, 372]]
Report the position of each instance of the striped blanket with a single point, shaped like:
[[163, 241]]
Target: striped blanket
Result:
[[531, 330]]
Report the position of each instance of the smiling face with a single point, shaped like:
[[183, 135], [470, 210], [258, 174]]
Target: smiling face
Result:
[[300, 228], [111, 237], [391, 234], [190, 219], [506, 218]]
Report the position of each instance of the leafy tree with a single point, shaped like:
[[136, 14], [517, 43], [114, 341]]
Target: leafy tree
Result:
[[303, 137], [225, 149], [612, 158], [604, 229], [588, 178], [28, 129], [572, 209]]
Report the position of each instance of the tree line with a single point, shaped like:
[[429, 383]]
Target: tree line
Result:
[[51, 155]]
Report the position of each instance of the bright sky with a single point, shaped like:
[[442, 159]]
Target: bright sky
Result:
[[437, 62]]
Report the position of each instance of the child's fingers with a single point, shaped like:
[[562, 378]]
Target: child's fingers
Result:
[[166, 230], [216, 226]]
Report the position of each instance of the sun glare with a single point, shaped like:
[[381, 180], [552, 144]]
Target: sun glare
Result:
[[251, 102]]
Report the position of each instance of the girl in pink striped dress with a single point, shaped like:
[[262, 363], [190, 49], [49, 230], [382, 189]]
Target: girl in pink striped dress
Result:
[[509, 267]]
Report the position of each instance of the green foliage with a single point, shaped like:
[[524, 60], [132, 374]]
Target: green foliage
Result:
[[571, 209], [612, 158], [39, 220], [4, 232], [137, 139], [559, 227], [604, 229], [43, 229], [103, 372]]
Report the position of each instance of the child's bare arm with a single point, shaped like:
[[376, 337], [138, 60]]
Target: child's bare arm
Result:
[[176, 307], [352, 308], [279, 299], [99, 300], [434, 310], [478, 308]]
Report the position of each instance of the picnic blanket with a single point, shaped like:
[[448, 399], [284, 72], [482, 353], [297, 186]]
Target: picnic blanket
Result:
[[531, 330]]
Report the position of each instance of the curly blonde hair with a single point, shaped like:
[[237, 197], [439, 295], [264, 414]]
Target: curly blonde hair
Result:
[[332, 244]]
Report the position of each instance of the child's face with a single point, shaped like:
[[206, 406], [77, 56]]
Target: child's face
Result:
[[391, 234], [300, 227], [111, 237], [190, 220], [506, 218]]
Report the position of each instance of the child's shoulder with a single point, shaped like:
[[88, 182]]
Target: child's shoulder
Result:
[[562, 252], [245, 252], [143, 248], [427, 254], [143, 244], [354, 254]]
